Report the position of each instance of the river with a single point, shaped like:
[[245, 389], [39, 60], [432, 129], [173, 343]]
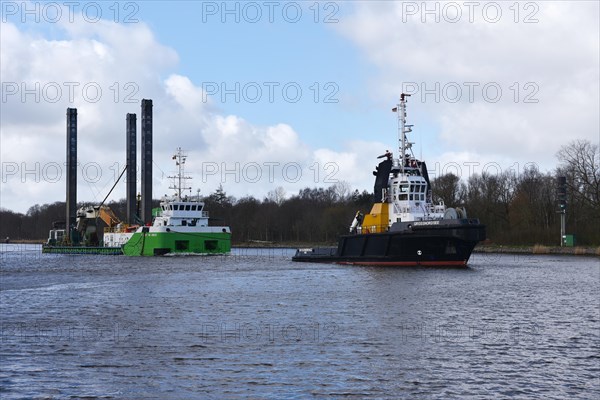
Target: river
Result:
[[254, 324]]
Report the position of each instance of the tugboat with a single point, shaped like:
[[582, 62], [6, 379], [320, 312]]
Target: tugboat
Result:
[[180, 226], [404, 227]]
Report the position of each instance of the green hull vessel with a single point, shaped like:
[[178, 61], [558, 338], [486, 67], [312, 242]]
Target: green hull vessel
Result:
[[161, 243], [180, 226], [156, 244]]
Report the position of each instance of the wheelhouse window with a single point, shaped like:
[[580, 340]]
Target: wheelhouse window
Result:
[[403, 196]]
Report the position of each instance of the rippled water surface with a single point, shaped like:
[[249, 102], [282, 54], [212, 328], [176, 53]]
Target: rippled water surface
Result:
[[254, 324]]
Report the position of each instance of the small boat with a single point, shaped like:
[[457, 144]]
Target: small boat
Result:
[[405, 227]]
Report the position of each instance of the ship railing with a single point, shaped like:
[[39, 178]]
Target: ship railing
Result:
[[435, 208], [426, 209], [363, 230]]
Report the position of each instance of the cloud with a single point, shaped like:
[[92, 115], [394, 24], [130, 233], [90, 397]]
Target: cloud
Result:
[[547, 71], [104, 69], [91, 67]]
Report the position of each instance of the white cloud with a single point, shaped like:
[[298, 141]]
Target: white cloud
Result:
[[559, 55], [246, 158]]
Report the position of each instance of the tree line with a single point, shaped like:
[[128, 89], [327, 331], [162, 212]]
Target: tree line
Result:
[[517, 209]]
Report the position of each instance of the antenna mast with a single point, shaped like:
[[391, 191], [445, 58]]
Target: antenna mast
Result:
[[403, 129], [180, 178]]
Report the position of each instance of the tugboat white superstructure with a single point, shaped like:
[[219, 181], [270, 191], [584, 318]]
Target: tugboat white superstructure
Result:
[[404, 226]]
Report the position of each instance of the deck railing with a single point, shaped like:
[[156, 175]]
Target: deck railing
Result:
[[361, 230]]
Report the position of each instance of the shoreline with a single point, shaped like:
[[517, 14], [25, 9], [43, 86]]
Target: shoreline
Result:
[[481, 248], [538, 249]]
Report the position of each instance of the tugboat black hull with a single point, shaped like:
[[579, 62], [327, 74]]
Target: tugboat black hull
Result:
[[433, 243]]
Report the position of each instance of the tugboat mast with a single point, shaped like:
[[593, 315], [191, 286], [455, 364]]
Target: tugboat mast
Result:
[[180, 178]]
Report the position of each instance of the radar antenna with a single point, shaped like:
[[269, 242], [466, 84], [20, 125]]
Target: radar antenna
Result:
[[179, 179], [403, 129]]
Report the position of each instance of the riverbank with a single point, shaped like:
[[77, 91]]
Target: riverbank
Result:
[[23, 241], [538, 249], [482, 248]]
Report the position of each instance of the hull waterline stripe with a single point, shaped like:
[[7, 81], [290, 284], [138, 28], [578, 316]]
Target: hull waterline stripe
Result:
[[405, 263]]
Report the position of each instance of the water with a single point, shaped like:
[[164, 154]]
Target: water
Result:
[[254, 324]]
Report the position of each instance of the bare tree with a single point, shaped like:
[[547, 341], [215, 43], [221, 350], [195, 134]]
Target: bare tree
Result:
[[532, 209], [342, 190], [277, 195], [580, 162], [448, 188]]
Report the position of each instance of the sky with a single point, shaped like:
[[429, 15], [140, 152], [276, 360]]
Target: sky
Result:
[[290, 94]]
